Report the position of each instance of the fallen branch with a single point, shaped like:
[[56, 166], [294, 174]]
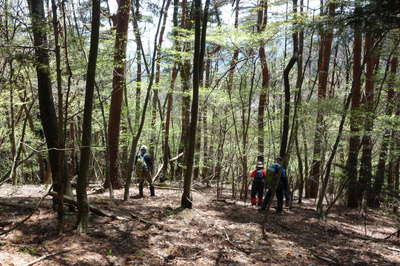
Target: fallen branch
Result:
[[93, 209], [328, 260], [145, 221], [162, 166], [174, 188], [17, 206], [392, 234], [394, 249], [29, 216], [235, 246], [46, 257]]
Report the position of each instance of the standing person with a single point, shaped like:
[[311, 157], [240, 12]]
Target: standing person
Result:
[[144, 170], [277, 169], [257, 187]]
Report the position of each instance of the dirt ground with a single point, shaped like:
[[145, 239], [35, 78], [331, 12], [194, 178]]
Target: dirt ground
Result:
[[215, 232]]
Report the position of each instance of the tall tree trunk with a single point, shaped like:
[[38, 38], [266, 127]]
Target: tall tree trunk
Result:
[[284, 150], [138, 63], [323, 69], [154, 137], [185, 75], [206, 166], [325, 180], [198, 62], [353, 192], [118, 84], [263, 99], [170, 98], [46, 103], [150, 72], [373, 199], [368, 113], [83, 206], [196, 168], [61, 155]]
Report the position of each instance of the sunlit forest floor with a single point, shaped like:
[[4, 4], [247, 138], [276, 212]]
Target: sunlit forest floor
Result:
[[215, 232]]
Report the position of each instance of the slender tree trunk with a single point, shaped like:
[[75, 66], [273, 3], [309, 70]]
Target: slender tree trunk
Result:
[[185, 75], [138, 63], [353, 195], [153, 140], [170, 98], [198, 62], [60, 173], [196, 168], [83, 206], [368, 112], [122, 20], [374, 199], [150, 72], [263, 99], [325, 180], [323, 69], [285, 130], [206, 166], [46, 103]]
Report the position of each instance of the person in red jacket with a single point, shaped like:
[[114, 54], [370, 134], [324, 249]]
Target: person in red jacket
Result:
[[258, 184]]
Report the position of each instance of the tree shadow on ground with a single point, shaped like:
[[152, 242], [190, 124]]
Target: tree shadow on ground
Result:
[[328, 244], [107, 242]]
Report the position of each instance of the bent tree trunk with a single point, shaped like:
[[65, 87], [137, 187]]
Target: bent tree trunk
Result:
[[48, 116]]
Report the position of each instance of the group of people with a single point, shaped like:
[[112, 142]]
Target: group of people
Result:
[[264, 179]]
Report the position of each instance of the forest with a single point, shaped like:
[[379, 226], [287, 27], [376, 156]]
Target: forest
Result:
[[199, 132]]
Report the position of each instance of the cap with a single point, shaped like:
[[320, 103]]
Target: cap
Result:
[[143, 147]]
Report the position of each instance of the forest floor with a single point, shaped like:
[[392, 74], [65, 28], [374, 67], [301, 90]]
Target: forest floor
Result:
[[214, 232]]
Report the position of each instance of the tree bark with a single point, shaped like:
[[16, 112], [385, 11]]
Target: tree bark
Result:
[[263, 98], [369, 115], [154, 138], [323, 69], [353, 192], [198, 62], [46, 103], [170, 98], [185, 75], [83, 205], [118, 84], [374, 199]]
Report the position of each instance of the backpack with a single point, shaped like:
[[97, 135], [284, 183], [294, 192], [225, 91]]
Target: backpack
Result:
[[259, 175], [273, 175], [140, 165]]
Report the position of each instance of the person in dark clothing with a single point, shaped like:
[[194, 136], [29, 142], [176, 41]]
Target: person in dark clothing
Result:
[[277, 168], [144, 166], [257, 187]]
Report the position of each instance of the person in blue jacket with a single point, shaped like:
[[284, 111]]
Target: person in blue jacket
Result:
[[144, 169], [282, 186]]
